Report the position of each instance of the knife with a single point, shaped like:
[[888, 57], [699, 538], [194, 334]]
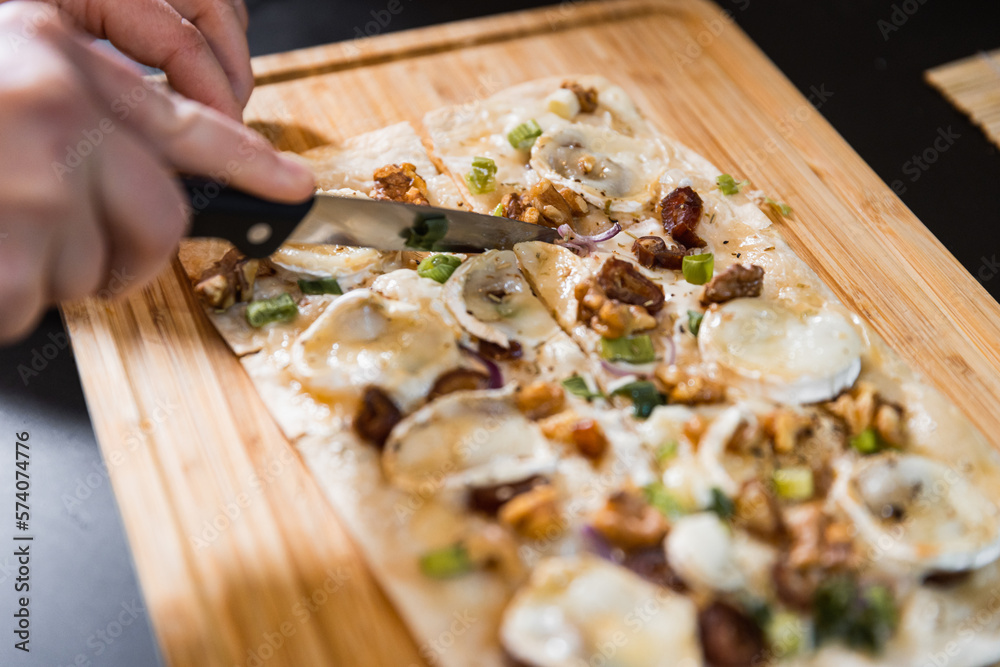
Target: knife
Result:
[[257, 227]]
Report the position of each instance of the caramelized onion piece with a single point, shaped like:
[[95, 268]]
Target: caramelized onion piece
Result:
[[460, 379], [729, 637]]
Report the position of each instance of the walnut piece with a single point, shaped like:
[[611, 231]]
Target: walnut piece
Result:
[[682, 387], [540, 399], [587, 97], [533, 514], [589, 439], [229, 281], [757, 510], [862, 408], [629, 522], [608, 317], [552, 206], [785, 427], [400, 182]]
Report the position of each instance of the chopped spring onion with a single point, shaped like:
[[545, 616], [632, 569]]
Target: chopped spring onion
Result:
[[666, 451], [279, 309], [786, 633], [577, 386], [697, 269], [499, 211], [444, 563], [644, 396], [321, 286], [631, 349], [438, 267], [730, 185], [868, 442], [424, 234], [794, 483], [524, 135], [722, 504], [482, 178], [784, 209], [694, 322], [860, 618], [662, 499]]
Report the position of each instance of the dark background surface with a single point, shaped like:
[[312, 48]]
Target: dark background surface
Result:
[[83, 583]]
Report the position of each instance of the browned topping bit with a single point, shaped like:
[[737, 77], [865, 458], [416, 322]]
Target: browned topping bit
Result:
[[610, 318], [400, 182], [516, 208], [735, 282], [818, 547], [862, 408], [534, 514], [552, 206], [729, 637], [757, 511], [945, 579], [540, 399], [785, 427], [652, 252], [627, 521], [229, 281], [681, 387], [586, 163], [377, 417], [577, 204], [499, 352], [460, 379], [651, 564], [681, 211], [587, 97], [623, 282], [589, 439], [489, 499]]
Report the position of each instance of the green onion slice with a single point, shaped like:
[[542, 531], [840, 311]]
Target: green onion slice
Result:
[[577, 386], [425, 234], [644, 396], [666, 451], [320, 286], [722, 504], [730, 185], [438, 267], [662, 499], [450, 561], [499, 211], [482, 178], [698, 269], [279, 309], [694, 322], [524, 135], [868, 442], [794, 483], [784, 209], [631, 349]]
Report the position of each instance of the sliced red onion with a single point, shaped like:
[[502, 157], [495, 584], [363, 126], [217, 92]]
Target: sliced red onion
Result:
[[576, 248], [496, 375], [617, 371], [597, 543], [584, 245]]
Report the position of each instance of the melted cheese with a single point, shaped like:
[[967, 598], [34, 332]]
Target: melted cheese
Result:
[[365, 339]]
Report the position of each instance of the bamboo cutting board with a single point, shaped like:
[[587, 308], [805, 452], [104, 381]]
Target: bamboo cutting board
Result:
[[241, 560]]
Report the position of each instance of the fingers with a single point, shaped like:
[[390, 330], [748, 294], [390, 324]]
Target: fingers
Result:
[[142, 209], [240, 7], [193, 138], [221, 24], [155, 34]]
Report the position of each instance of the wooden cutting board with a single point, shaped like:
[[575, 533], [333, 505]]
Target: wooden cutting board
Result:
[[241, 560]]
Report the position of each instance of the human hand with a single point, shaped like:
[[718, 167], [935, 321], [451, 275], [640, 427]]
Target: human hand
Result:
[[201, 45], [88, 153]]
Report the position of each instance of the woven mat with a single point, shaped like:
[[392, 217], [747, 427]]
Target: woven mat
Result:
[[973, 85]]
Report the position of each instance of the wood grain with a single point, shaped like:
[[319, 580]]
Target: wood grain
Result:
[[973, 85], [189, 443]]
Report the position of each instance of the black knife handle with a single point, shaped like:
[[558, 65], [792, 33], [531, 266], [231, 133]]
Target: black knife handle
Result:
[[257, 227]]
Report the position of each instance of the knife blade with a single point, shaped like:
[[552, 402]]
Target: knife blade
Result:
[[257, 227]]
